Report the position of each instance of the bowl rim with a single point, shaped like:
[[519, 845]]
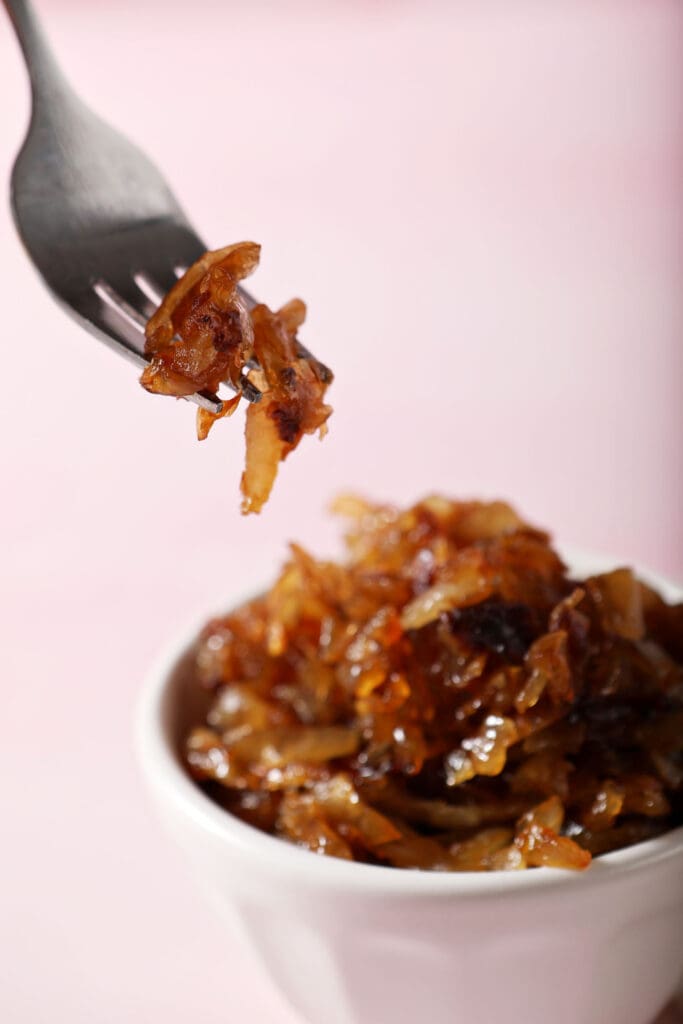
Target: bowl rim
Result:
[[166, 777]]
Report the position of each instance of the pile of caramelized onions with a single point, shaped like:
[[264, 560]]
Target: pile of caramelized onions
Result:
[[204, 334], [448, 699]]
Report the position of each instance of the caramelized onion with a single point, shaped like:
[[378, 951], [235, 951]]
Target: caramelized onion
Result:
[[447, 699], [203, 335]]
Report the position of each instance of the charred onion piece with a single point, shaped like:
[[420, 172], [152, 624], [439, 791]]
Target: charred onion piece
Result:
[[292, 404], [448, 699], [201, 334]]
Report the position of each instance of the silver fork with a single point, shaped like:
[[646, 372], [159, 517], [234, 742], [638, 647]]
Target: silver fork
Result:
[[97, 219]]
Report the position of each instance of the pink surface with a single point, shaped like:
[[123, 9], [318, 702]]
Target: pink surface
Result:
[[482, 206]]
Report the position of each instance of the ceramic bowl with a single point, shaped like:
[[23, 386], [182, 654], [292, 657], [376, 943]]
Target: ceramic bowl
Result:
[[352, 943]]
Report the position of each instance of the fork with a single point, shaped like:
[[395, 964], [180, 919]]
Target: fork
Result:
[[96, 217]]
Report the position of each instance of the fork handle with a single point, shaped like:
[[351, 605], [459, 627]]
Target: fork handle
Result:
[[47, 80]]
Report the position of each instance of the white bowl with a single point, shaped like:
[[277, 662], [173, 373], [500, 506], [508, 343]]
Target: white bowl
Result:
[[353, 943]]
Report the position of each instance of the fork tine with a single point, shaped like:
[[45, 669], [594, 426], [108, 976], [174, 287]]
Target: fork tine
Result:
[[149, 288], [324, 373], [115, 300], [159, 281], [249, 390]]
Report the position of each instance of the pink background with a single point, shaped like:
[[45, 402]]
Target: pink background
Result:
[[481, 204]]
